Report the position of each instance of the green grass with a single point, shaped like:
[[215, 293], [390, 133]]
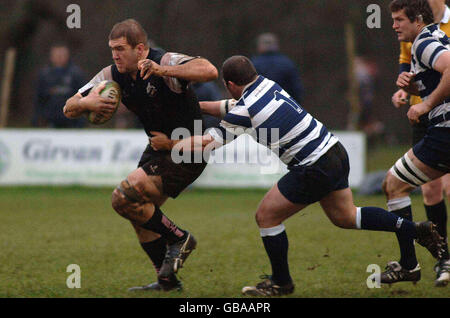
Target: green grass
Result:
[[44, 229], [383, 156]]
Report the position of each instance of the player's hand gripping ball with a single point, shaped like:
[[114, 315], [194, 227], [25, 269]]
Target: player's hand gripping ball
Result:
[[110, 91]]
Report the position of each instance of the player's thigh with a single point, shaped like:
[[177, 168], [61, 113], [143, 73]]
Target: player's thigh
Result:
[[432, 173], [408, 173], [339, 208], [274, 208], [393, 187]]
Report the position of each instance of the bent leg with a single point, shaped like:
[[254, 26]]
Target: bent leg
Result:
[[135, 197], [340, 209], [136, 200], [407, 173], [272, 211], [274, 208]]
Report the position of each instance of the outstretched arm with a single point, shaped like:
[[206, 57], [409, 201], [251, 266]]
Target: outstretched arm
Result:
[[160, 141], [195, 70], [217, 108]]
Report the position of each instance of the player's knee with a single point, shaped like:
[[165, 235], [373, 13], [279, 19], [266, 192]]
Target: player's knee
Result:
[[123, 196], [343, 220], [388, 185], [118, 202], [259, 218], [262, 217]]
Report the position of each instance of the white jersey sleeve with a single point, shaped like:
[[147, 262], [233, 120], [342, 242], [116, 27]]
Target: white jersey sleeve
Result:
[[172, 59], [235, 123], [104, 75]]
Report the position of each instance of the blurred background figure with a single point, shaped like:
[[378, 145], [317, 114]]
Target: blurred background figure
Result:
[[56, 83], [272, 64], [366, 72], [208, 92]]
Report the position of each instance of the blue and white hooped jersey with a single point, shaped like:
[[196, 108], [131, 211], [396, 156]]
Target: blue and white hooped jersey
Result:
[[426, 49], [274, 119]]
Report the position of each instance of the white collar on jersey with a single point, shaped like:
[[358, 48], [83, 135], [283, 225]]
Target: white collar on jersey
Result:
[[446, 16], [249, 84]]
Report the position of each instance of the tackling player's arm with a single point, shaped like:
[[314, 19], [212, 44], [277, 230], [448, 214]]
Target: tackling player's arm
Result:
[[233, 125], [195, 70], [217, 108], [442, 91], [160, 141]]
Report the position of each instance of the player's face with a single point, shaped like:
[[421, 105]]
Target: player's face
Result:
[[125, 57], [405, 29]]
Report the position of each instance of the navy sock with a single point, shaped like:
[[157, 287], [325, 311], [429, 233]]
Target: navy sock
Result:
[[161, 224], [408, 257], [377, 219], [277, 249], [156, 250], [438, 215]]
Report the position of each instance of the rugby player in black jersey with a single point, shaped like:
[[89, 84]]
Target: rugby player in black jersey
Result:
[[155, 86]]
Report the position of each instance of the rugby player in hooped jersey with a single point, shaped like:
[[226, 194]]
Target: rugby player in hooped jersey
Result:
[[429, 159], [432, 192], [155, 86], [317, 162]]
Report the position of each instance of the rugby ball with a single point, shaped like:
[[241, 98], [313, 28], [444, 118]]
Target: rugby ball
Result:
[[111, 91]]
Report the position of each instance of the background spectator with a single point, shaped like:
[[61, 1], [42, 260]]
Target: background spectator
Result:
[[272, 64], [208, 92], [56, 83]]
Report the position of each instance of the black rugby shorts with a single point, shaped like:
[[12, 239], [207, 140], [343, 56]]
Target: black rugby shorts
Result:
[[309, 184], [434, 149], [175, 177]]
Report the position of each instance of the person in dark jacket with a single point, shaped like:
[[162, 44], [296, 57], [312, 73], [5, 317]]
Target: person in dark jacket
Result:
[[208, 91], [56, 83], [273, 65]]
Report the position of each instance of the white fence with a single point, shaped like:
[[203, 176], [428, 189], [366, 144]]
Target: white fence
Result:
[[105, 157]]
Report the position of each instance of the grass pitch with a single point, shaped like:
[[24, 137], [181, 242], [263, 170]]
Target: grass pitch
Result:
[[45, 229]]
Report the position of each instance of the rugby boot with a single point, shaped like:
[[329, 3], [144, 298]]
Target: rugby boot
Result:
[[442, 269], [268, 288], [428, 237], [176, 256], [161, 285], [394, 273]]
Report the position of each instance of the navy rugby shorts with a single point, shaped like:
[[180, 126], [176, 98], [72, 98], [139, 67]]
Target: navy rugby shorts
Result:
[[175, 177], [418, 132], [434, 149], [309, 184]]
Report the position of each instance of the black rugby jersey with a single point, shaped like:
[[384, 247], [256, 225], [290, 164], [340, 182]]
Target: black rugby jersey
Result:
[[161, 103]]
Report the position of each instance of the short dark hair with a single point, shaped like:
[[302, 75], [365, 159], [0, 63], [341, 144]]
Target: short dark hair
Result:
[[414, 9], [239, 70], [131, 30]]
